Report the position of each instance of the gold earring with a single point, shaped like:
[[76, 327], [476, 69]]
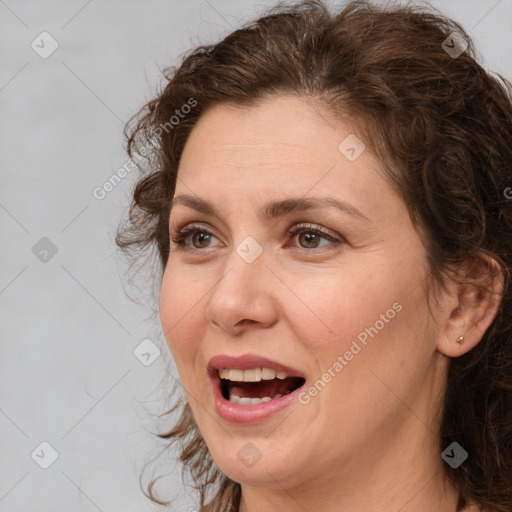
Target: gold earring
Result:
[[460, 340]]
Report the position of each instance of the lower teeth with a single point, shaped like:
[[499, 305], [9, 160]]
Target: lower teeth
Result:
[[251, 401]]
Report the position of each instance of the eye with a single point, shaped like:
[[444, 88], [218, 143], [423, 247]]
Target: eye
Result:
[[313, 234], [201, 237], [182, 236]]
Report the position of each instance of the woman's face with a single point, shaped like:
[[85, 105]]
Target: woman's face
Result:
[[343, 311]]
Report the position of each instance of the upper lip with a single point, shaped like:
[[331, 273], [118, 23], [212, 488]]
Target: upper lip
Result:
[[249, 361]]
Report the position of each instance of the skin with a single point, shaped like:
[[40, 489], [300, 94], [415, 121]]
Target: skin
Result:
[[369, 440]]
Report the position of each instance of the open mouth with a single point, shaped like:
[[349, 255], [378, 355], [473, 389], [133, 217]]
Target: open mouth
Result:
[[256, 385]]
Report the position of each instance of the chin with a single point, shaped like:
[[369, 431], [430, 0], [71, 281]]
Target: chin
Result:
[[257, 461]]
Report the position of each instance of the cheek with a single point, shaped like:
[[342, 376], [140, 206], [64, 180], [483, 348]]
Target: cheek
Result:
[[382, 338], [338, 304], [180, 315], [371, 316]]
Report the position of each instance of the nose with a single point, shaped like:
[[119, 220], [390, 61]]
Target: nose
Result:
[[244, 297]]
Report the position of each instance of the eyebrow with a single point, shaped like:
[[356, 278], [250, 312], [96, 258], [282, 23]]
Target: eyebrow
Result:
[[273, 209]]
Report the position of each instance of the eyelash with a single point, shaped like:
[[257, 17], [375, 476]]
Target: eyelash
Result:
[[182, 235]]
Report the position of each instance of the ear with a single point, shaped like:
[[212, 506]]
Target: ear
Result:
[[470, 308]]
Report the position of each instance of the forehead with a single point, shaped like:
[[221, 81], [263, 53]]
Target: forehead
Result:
[[284, 146], [280, 131], [272, 125]]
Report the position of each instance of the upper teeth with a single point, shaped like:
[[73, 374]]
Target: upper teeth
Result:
[[252, 375]]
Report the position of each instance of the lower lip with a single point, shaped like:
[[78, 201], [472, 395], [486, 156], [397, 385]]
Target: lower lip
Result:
[[240, 414]]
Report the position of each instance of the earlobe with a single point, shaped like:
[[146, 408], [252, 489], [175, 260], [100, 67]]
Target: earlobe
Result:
[[474, 305]]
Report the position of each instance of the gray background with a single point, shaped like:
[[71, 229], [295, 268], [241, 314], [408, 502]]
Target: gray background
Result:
[[69, 376]]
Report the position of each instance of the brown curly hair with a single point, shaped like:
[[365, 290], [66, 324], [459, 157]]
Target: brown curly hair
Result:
[[441, 125]]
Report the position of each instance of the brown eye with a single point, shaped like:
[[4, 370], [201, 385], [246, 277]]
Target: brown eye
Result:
[[310, 237], [200, 237]]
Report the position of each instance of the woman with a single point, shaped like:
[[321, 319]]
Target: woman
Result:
[[330, 199]]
